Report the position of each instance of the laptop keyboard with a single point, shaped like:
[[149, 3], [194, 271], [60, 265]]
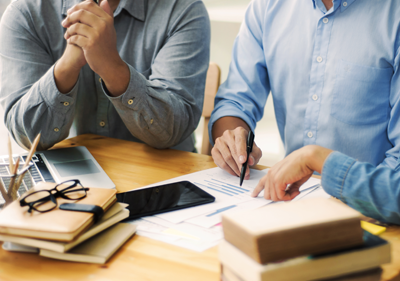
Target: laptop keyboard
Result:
[[36, 174]]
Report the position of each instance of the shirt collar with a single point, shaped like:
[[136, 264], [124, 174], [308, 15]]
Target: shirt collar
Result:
[[136, 8], [341, 2]]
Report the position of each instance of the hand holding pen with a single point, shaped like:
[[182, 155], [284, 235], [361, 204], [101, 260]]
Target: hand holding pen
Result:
[[230, 151]]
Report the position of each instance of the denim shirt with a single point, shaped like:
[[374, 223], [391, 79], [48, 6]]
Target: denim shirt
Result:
[[375, 192], [164, 43], [334, 75]]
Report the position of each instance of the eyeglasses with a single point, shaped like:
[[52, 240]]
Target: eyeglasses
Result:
[[45, 200]]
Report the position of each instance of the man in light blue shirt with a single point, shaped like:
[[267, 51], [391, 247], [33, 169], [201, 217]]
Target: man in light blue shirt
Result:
[[333, 71]]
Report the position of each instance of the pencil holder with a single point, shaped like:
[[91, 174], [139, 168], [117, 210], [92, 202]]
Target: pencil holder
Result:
[[12, 185]]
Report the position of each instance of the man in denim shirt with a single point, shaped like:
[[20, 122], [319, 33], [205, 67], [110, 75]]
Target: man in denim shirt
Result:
[[128, 69], [374, 191]]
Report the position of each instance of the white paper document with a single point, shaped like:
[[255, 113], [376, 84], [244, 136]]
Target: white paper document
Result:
[[199, 228]]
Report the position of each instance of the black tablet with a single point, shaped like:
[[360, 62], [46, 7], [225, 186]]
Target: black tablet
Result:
[[163, 198]]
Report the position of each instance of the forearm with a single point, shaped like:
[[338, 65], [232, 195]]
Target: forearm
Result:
[[39, 109], [65, 76], [116, 77], [159, 115], [227, 123], [373, 191]]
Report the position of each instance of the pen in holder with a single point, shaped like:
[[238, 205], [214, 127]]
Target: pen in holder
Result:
[[10, 183], [14, 177]]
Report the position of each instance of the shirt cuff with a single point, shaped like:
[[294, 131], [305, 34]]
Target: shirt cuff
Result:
[[49, 92], [228, 110], [137, 89], [334, 173]]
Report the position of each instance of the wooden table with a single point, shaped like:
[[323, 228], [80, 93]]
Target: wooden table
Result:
[[131, 165]]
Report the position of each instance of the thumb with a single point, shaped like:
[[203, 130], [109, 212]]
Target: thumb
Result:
[[106, 7]]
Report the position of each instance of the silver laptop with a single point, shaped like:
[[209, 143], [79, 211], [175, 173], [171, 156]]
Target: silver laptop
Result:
[[57, 166]]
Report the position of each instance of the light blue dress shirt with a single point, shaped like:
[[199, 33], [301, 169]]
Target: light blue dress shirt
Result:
[[333, 75], [373, 191]]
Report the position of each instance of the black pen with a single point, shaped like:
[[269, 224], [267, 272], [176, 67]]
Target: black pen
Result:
[[250, 140]]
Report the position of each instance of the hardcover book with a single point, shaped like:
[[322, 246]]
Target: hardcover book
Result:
[[374, 252], [287, 230]]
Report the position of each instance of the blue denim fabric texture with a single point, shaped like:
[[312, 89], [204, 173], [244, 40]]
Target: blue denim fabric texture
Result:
[[334, 75], [373, 191], [165, 44]]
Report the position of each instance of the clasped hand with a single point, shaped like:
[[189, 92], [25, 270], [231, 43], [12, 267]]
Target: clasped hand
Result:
[[91, 28]]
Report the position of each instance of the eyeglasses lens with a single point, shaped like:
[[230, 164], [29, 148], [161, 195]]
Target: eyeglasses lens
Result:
[[72, 190], [42, 199]]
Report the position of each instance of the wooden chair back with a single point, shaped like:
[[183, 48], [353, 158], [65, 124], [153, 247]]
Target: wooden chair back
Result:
[[212, 85]]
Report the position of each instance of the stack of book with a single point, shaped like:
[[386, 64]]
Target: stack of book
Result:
[[68, 235], [304, 240]]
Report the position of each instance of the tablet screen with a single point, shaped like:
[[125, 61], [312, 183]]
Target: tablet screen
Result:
[[163, 198]]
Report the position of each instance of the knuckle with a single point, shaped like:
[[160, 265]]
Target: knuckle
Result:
[[87, 4], [226, 134], [223, 165], [102, 25], [80, 13]]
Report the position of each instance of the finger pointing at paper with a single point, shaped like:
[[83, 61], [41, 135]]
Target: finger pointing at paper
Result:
[[284, 179]]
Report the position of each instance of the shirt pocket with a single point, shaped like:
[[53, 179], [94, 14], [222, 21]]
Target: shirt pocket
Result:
[[361, 94]]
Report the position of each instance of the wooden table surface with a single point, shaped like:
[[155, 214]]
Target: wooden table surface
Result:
[[131, 165]]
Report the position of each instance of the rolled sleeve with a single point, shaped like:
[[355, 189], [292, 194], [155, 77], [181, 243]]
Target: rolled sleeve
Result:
[[334, 172], [374, 191]]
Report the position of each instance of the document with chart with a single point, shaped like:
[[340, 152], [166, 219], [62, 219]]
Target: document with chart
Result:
[[199, 228]]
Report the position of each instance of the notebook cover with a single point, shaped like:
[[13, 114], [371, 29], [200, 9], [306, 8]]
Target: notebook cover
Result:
[[99, 248], [58, 225], [115, 214]]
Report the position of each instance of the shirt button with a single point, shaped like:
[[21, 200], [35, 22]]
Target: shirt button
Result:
[[344, 4], [100, 80], [66, 103], [315, 97], [310, 135], [130, 101], [319, 59], [102, 123], [56, 129], [325, 20]]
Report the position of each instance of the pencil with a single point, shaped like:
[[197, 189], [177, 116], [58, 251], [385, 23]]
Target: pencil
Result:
[[4, 193], [11, 192], [32, 150], [27, 160], [10, 158]]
